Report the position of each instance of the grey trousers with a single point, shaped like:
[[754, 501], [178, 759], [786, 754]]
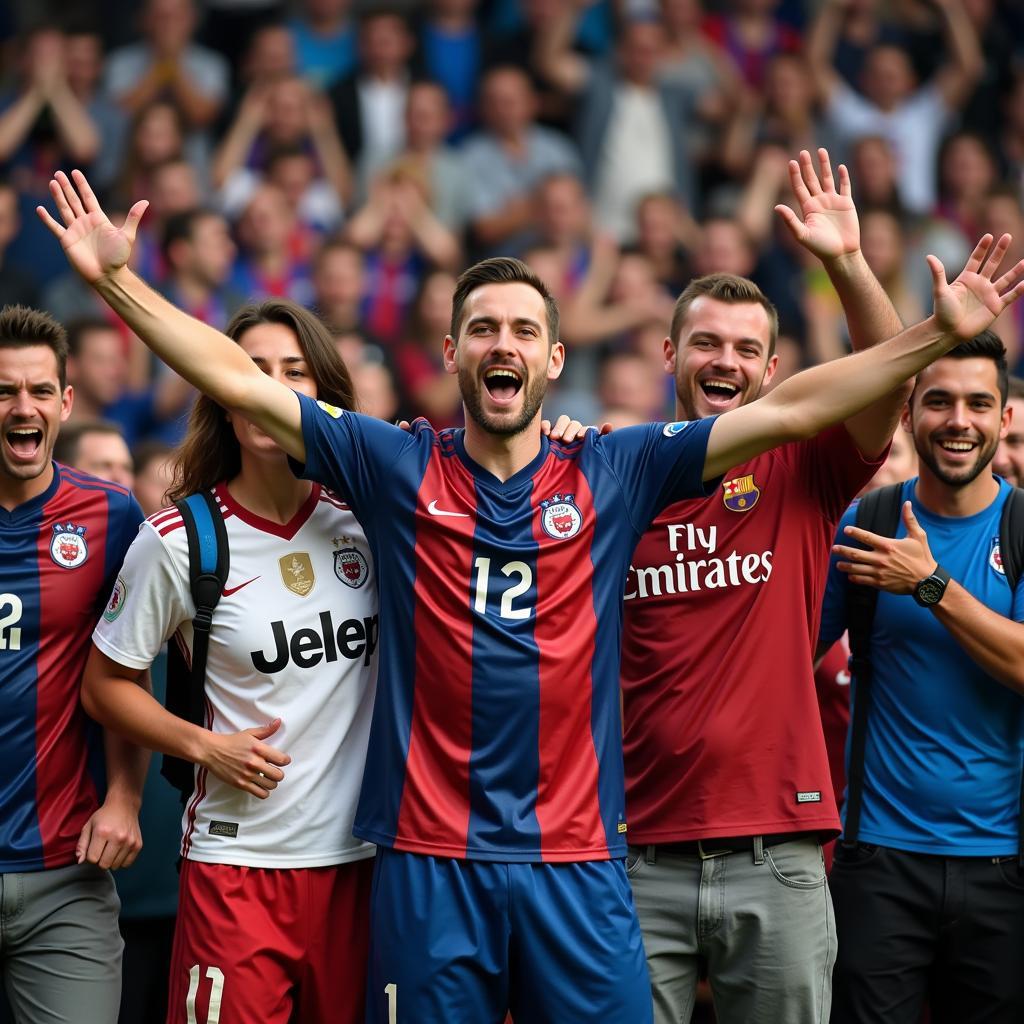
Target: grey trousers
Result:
[[60, 946], [765, 927]]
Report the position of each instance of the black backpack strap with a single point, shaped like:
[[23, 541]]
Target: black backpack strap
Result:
[[1011, 549], [208, 564], [879, 512]]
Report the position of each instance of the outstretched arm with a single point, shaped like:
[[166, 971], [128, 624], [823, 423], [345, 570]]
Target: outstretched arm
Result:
[[827, 226], [809, 402], [203, 356]]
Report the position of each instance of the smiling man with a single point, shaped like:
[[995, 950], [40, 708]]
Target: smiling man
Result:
[[493, 784], [728, 788], [64, 534], [929, 890]]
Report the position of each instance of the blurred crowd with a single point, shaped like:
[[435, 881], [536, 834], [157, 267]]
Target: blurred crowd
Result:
[[356, 156]]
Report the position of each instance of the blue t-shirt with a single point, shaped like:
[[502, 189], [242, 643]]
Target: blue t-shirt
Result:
[[323, 59], [945, 741], [496, 731]]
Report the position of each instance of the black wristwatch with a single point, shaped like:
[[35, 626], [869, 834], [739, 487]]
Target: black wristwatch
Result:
[[929, 591]]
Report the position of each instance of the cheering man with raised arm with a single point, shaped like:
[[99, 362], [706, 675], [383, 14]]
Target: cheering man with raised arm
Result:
[[494, 781]]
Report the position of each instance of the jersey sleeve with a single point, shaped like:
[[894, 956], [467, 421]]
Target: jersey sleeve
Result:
[[833, 608], [352, 454], [149, 600], [834, 469], [125, 520], [657, 464]]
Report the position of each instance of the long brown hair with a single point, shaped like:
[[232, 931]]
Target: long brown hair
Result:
[[210, 451]]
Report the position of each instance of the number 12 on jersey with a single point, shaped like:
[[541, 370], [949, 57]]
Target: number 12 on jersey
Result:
[[509, 569]]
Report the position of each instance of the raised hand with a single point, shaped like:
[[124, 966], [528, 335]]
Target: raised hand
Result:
[[93, 246], [966, 306], [829, 227]]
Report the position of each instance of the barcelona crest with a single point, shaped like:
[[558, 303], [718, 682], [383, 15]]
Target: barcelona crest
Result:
[[560, 517], [350, 565], [740, 494], [67, 546]]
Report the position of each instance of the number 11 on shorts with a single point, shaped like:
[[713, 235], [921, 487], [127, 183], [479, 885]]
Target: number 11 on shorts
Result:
[[391, 991]]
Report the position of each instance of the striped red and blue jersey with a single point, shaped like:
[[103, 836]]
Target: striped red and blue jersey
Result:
[[496, 730], [61, 553]]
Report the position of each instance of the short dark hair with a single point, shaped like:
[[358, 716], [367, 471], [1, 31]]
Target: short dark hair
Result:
[[80, 327], [730, 288], [501, 270], [181, 227], [21, 326], [986, 345], [146, 452], [69, 440]]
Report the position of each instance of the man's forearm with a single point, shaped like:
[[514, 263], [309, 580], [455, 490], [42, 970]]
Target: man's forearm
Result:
[[993, 642], [127, 765], [202, 355], [870, 314]]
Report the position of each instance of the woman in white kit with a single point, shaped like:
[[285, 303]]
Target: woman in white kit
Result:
[[273, 911]]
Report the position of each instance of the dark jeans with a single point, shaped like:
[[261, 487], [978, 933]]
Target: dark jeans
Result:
[[915, 928]]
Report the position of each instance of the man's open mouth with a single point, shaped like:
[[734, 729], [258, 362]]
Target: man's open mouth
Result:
[[502, 383], [959, 446], [24, 441], [718, 390]]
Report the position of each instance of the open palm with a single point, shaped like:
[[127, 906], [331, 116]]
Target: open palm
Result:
[[93, 246], [829, 228], [968, 305]]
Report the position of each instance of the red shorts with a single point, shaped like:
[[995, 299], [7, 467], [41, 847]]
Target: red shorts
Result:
[[270, 945]]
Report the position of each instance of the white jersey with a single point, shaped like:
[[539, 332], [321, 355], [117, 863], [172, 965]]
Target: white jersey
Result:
[[294, 637]]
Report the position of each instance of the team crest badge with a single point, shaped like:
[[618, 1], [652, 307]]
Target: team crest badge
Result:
[[67, 546], [995, 557], [350, 565], [671, 429], [560, 517], [117, 599], [297, 573], [740, 494]]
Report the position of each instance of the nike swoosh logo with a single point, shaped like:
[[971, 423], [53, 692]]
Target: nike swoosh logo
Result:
[[435, 511], [228, 591]]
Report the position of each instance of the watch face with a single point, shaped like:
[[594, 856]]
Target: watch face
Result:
[[930, 591]]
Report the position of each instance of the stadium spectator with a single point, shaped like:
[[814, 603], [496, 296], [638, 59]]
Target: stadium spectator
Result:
[[96, 447], [711, 785], [628, 385], [624, 107], [199, 254], [274, 894], [752, 34], [572, 950], [929, 890], [967, 173], [369, 103], [427, 122], [401, 239], [154, 474], [267, 264], [64, 827], [17, 287], [1003, 210], [666, 234], [284, 114], [168, 65], [427, 389], [325, 41], [912, 118], [339, 277], [1009, 458], [507, 159], [564, 227], [451, 44]]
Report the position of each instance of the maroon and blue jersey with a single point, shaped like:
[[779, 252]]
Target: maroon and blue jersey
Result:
[[61, 553], [496, 730]]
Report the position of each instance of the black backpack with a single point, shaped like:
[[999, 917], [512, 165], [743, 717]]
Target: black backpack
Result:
[[879, 511], [208, 561]]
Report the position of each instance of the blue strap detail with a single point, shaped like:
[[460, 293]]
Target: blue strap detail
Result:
[[205, 532]]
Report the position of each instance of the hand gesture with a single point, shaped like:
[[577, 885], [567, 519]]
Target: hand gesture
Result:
[[893, 565], [243, 760], [829, 227], [568, 430], [969, 304], [111, 838], [93, 246]]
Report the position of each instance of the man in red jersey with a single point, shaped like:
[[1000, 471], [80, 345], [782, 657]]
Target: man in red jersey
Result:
[[728, 788]]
